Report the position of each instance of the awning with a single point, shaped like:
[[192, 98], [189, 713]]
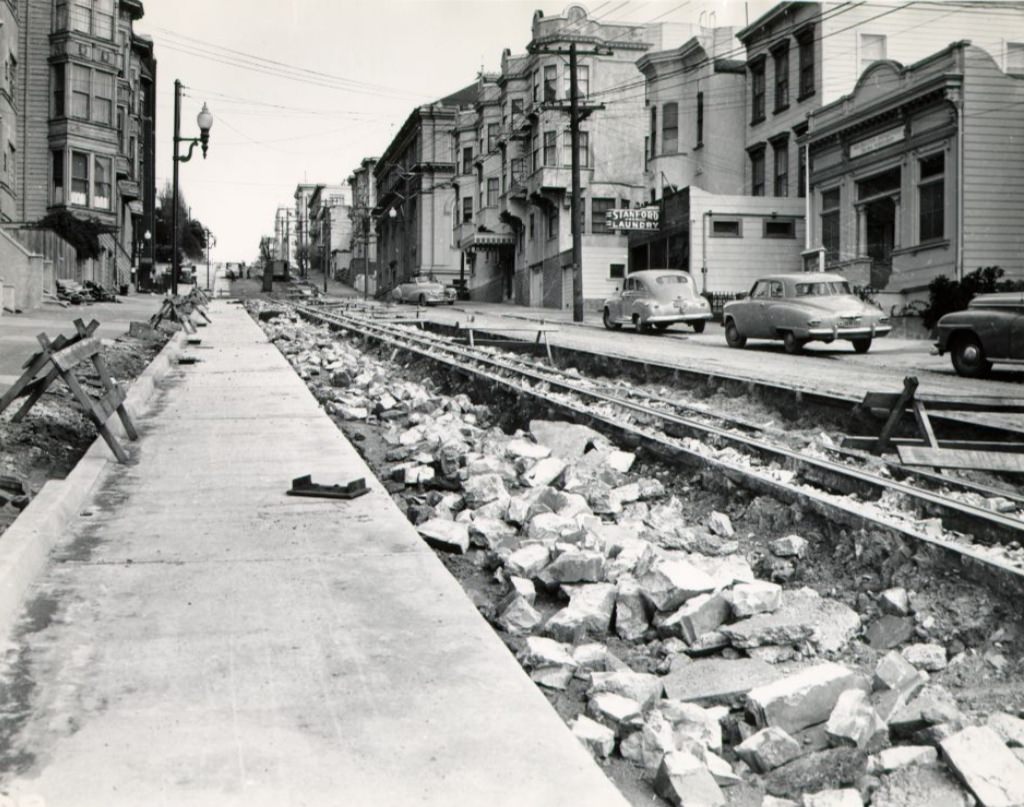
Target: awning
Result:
[[487, 240], [135, 208]]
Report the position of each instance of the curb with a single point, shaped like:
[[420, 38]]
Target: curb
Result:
[[26, 544]]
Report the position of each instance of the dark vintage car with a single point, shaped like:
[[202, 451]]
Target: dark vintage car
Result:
[[422, 291], [803, 307], [656, 298], [990, 330]]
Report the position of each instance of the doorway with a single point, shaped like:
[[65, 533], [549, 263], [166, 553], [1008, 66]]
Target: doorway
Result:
[[880, 232]]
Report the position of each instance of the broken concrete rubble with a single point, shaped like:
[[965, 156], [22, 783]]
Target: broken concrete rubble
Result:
[[447, 535], [617, 712], [759, 597], [1008, 727], [641, 687], [694, 618], [803, 699], [713, 681], [789, 546], [920, 786], [854, 722], [768, 749], [589, 613], [901, 756], [598, 739], [804, 617], [929, 657], [933, 705], [983, 762], [631, 620], [846, 797], [672, 580], [685, 781], [528, 561], [575, 566]]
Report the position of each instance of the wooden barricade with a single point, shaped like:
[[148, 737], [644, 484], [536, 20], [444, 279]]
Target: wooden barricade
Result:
[[57, 359]]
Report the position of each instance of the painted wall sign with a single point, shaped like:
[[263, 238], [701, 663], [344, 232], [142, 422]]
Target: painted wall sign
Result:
[[635, 218], [880, 140]]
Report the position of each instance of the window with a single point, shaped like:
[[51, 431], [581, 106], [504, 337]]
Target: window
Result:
[[79, 178], [492, 192], [872, 48], [101, 197], [467, 209], [467, 160], [700, 119], [80, 92], [536, 149], [725, 228], [550, 83], [584, 149], [781, 58], [780, 185], [517, 106], [13, 63], [531, 225], [516, 170], [57, 160], [805, 42], [582, 82], [779, 228], [103, 106], [536, 86], [550, 149], [616, 271], [757, 91], [599, 207], [931, 197], [59, 78], [553, 221], [94, 17], [757, 172], [653, 142], [1015, 57], [884, 183], [670, 128], [492, 137], [830, 224], [801, 180]]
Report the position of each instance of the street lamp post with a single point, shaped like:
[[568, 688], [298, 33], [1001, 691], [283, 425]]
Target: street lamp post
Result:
[[205, 121]]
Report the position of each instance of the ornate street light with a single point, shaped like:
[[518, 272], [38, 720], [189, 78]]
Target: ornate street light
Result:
[[205, 121]]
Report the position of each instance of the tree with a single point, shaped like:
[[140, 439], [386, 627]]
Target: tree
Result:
[[191, 233]]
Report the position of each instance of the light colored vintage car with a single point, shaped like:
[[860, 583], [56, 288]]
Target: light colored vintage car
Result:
[[803, 307], [422, 291], [990, 330], [656, 298]]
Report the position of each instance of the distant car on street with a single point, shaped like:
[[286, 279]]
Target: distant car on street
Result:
[[990, 330], [422, 291], [656, 298], [803, 307]]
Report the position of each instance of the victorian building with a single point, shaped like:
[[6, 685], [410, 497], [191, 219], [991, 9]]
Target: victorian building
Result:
[[363, 192]]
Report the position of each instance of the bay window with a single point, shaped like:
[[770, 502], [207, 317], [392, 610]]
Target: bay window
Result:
[[79, 178]]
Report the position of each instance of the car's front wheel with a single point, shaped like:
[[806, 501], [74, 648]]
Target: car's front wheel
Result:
[[606, 318], [792, 344], [969, 357], [698, 326], [862, 345], [733, 337]]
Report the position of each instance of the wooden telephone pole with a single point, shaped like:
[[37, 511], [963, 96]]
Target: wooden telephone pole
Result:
[[577, 113]]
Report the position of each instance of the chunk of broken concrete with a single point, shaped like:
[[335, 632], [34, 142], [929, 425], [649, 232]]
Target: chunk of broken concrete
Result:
[[720, 524], [854, 722], [889, 631], [444, 534], [920, 786], [759, 597], [644, 688], [768, 749], [492, 533], [805, 616], [900, 756], [932, 706], [544, 472], [820, 770], [620, 461], [894, 672], [713, 681], [589, 613], [684, 781], [519, 616], [598, 739], [789, 546], [575, 566], [526, 449], [528, 561], [550, 663], [631, 620], [803, 699], [479, 490], [695, 617], [929, 657], [1010, 728], [692, 722], [569, 441], [672, 581], [895, 601], [617, 712], [990, 770], [551, 527]]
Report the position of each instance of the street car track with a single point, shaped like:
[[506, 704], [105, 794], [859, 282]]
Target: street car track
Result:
[[817, 483]]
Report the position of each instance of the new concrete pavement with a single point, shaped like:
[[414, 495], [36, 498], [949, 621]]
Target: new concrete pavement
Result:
[[200, 638]]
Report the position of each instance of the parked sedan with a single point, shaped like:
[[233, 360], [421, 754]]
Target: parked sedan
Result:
[[422, 291], [803, 307], [990, 330], [656, 298]]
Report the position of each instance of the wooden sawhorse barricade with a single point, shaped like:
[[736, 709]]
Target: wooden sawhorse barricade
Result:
[[926, 449], [57, 359], [540, 329], [179, 309]]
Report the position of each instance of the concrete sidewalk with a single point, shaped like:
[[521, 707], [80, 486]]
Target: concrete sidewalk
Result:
[[201, 638], [18, 331]]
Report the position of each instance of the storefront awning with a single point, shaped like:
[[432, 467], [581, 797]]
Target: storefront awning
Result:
[[487, 240]]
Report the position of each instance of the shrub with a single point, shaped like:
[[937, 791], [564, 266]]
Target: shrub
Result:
[[82, 234], [945, 295]]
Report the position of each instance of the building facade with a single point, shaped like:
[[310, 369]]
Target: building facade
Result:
[[917, 173], [330, 230], [363, 191], [301, 224]]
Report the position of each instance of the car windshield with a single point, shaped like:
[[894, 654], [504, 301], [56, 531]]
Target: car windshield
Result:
[[822, 289]]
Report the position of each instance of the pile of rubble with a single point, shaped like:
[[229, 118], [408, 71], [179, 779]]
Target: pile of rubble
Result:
[[734, 687]]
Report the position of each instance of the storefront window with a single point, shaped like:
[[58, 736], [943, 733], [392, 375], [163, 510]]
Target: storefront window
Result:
[[830, 224], [931, 197]]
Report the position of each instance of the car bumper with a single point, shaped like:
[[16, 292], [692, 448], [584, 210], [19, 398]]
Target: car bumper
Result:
[[695, 316], [831, 334]]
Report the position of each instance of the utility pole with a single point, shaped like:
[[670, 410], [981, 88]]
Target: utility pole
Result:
[[323, 250], [577, 113], [366, 253]]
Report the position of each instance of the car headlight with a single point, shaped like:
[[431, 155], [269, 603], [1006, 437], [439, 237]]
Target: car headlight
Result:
[[813, 323]]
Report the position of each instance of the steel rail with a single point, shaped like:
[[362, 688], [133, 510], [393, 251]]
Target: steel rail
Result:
[[969, 558]]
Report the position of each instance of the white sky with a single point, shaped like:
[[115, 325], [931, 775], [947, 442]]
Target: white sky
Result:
[[270, 132]]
